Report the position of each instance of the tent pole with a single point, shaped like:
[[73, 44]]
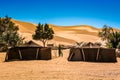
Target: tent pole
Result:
[[83, 54], [98, 52], [6, 58], [20, 54], [71, 55], [37, 53]]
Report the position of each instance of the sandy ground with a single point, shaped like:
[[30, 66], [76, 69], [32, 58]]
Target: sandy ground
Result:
[[58, 69]]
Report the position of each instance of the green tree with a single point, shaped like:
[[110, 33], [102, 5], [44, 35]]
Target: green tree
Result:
[[9, 33], [106, 31], [114, 40], [111, 36], [43, 33]]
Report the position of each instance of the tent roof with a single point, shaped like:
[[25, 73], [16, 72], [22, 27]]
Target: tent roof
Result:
[[30, 44]]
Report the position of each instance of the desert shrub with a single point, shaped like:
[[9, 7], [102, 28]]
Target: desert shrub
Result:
[[111, 35], [60, 51]]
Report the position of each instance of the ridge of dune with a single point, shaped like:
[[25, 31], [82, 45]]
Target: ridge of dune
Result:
[[63, 34], [77, 27], [25, 27]]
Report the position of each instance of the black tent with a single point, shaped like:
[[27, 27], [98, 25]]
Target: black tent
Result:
[[92, 54], [28, 51]]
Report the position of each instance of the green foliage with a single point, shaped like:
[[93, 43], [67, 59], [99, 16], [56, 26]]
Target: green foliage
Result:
[[8, 33], [111, 36], [105, 33], [114, 39], [12, 39], [43, 33]]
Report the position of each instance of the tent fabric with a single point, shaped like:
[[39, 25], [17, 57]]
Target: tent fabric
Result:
[[44, 53], [92, 54], [13, 54], [75, 57], [28, 51], [107, 55]]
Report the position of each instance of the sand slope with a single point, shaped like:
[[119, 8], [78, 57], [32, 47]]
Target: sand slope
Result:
[[63, 34]]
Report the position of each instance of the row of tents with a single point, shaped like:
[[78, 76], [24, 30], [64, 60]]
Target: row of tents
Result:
[[32, 51]]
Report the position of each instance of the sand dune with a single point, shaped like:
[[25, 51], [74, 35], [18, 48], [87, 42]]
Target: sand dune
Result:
[[78, 37], [63, 34], [25, 27]]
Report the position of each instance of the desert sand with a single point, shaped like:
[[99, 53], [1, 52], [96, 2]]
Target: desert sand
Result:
[[67, 35], [58, 68]]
